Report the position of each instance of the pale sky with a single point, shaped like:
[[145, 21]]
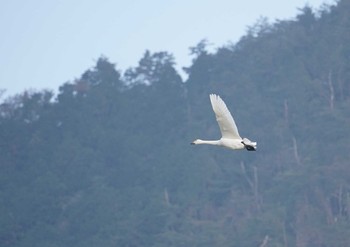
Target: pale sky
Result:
[[45, 43]]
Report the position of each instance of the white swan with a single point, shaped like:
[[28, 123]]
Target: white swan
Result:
[[230, 136]]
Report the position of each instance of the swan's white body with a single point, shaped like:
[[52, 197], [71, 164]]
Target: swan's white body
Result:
[[230, 136]]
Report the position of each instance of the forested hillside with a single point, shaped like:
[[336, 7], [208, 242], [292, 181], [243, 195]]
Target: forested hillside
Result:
[[107, 161]]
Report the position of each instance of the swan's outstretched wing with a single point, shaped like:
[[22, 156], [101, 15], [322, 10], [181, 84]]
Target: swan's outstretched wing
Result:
[[224, 118]]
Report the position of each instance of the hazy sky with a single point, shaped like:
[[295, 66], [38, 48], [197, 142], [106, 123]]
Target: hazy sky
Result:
[[46, 43]]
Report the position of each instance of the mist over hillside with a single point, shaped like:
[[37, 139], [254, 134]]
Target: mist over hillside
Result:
[[107, 161]]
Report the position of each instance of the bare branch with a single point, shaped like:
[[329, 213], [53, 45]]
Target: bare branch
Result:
[[286, 112], [166, 197], [331, 90], [265, 241], [295, 149]]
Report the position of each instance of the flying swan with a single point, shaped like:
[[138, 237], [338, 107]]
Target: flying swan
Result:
[[230, 136]]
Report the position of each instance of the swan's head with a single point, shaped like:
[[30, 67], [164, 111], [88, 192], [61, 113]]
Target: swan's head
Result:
[[197, 141]]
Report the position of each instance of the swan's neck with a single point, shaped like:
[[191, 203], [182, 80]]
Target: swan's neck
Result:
[[213, 142]]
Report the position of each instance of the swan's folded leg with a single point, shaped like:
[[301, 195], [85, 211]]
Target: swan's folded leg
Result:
[[249, 145]]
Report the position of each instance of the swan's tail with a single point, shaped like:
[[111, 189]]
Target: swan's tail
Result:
[[249, 145]]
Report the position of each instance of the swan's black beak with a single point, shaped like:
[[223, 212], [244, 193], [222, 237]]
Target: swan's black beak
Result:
[[192, 143]]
